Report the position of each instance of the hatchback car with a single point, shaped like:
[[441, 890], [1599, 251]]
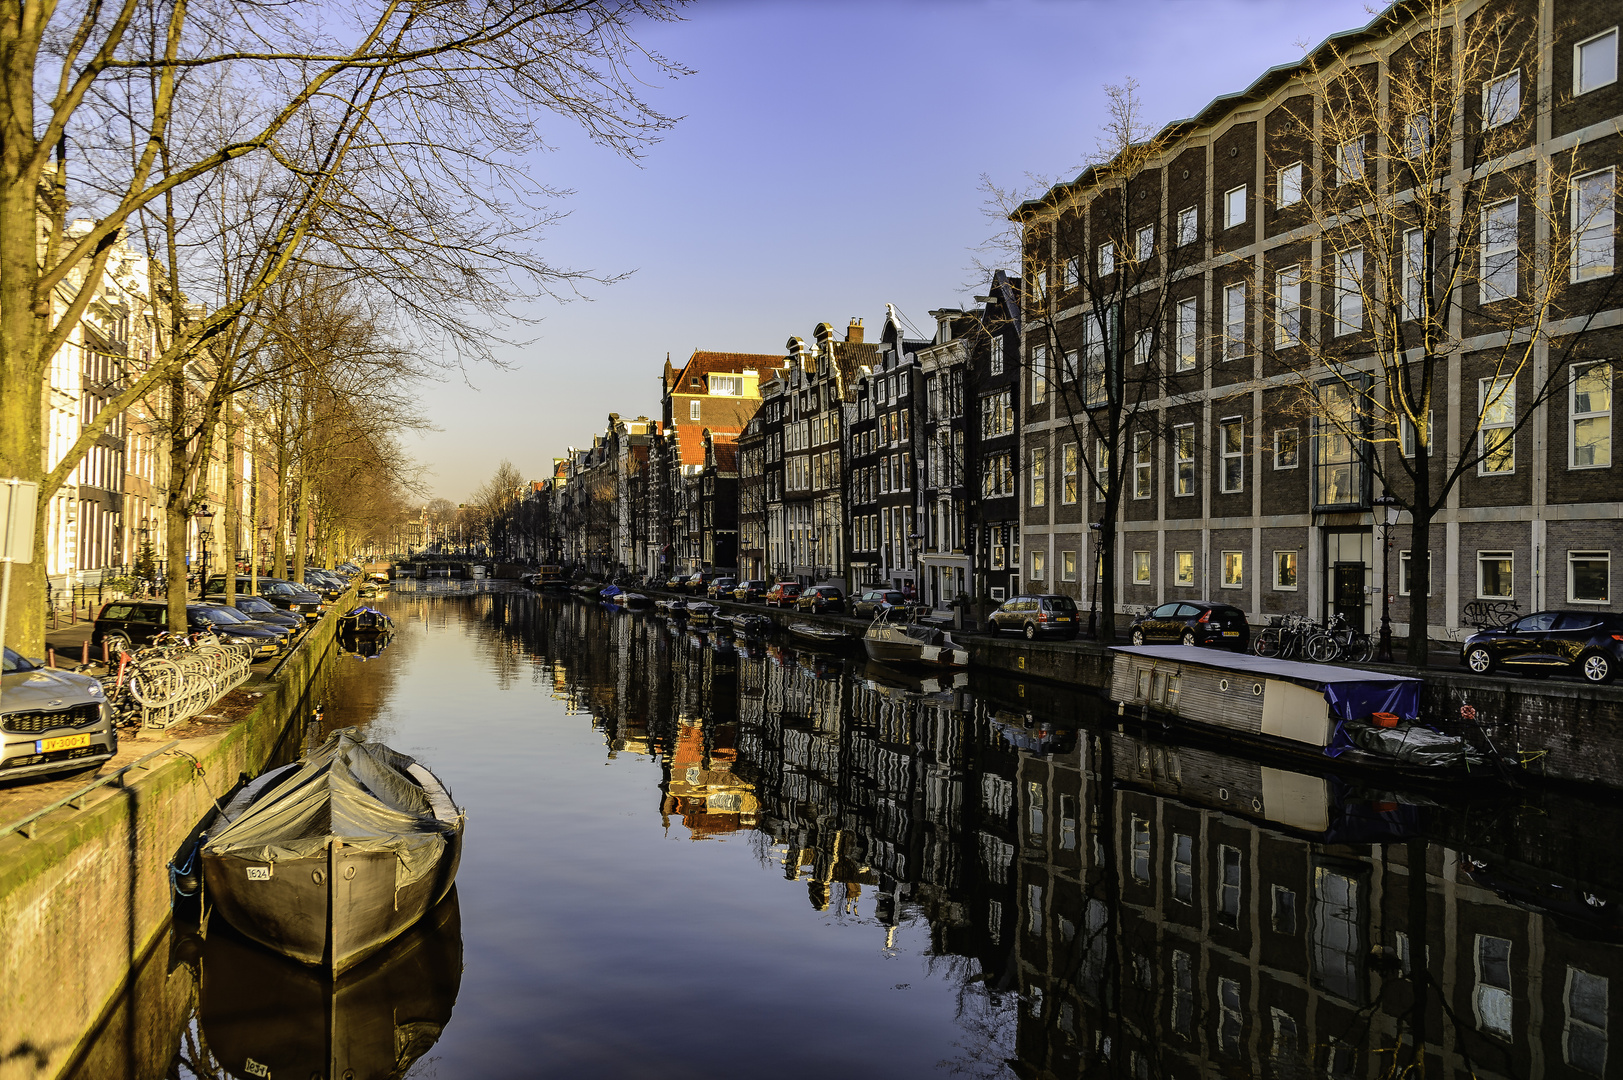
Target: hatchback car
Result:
[[696, 583], [1193, 622], [782, 594], [1039, 615], [750, 590], [1586, 643], [52, 721], [821, 600], [261, 610], [294, 599], [675, 582], [721, 588], [873, 601]]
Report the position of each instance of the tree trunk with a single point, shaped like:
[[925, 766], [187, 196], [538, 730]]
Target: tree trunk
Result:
[[176, 506], [21, 370], [1420, 555], [233, 517]]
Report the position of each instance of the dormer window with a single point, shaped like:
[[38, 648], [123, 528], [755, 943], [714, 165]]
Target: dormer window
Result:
[[727, 385]]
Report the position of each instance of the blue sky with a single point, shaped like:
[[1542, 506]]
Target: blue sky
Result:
[[828, 162]]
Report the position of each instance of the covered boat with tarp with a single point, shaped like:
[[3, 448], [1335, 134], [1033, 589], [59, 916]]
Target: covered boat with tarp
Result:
[[329, 858], [1354, 715], [365, 620]]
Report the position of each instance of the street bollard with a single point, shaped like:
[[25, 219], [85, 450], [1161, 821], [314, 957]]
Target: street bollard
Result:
[[50, 657], [84, 653]]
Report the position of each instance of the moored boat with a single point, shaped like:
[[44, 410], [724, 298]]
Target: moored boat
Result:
[[329, 858], [912, 643], [815, 634], [701, 613], [365, 620]]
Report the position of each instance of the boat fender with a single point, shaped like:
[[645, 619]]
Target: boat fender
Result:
[[186, 878]]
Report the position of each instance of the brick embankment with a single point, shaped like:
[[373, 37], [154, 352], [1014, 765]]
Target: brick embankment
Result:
[[84, 898]]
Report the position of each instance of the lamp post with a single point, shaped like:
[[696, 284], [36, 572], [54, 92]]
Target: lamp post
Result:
[[1388, 517], [1098, 528], [205, 536], [914, 542]]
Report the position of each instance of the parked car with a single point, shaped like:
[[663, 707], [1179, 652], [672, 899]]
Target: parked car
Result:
[[697, 582], [1587, 643], [261, 610], [1036, 615], [295, 599], [872, 601], [231, 623], [52, 721], [676, 582], [330, 587], [126, 623], [1192, 622], [750, 590], [721, 588], [822, 600], [782, 594]]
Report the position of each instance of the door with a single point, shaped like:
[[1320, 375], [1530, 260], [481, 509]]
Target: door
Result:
[[1347, 593], [1528, 640]]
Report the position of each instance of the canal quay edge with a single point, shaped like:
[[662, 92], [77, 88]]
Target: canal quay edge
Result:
[[1566, 733], [84, 899]]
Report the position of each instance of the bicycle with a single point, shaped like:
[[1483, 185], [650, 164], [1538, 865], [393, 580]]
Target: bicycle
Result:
[[1339, 641], [1283, 636]]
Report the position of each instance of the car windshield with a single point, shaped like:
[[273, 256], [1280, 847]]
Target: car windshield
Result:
[[220, 616], [15, 663], [254, 603]]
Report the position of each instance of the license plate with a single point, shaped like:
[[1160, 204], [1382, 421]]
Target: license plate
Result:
[[64, 742], [1231, 633]]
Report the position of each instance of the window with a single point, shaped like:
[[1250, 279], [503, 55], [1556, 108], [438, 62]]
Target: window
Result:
[[693, 411], [1339, 468], [1498, 272], [1584, 1041], [1289, 186], [1093, 361], [1501, 99], [997, 356], [1417, 135], [1495, 575], [1234, 322], [1233, 569], [1288, 307], [1187, 225], [1349, 291], [1283, 916], [1143, 344], [1407, 436], [1589, 577], [1183, 868], [1187, 329], [1228, 888], [1101, 470], [1337, 937], [1232, 451], [1234, 207], [1183, 568], [1141, 849], [1039, 476], [1067, 469], [1591, 417], [1496, 400], [1285, 571], [1183, 994], [1491, 998], [1067, 364], [727, 385], [997, 415], [1350, 161], [1183, 444], [1144, 243], [1107, 259], [1141, 568], [1038, 561], [1406, 574], [1594, 62], [1141, 464], [1067, 566], [1416, 272], [1071, 272], [1593, 199], [1230, 1021], [1039, 374]]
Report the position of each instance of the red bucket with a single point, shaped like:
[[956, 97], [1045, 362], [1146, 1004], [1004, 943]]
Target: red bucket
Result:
[[1386, 719]]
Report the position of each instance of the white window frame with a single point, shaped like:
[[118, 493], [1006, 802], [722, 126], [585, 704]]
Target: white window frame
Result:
[[1575, 417], [1188, 225], [1233, 560], [1349, 309], [1039, 374], [1489, 396], [1406, 433], [1281, 556], [1038, 558], [1143, 568], [1415, 273], [1578, 86], [1495, 556], [1143, 466], [1350, 161], [997, 354], [1039, 476], [1183, 484], [1234, 321], [1502, 99], [1067, 566], [1478, 996], [1598, 1032], [1071, 272], [1178, 557], [1417, 135], [1296, 449], [1594, 224], [1101, 470], [1234, 206], [1107, 258], [1500, 262], [1228, 457], [1288, 185], [1406, 574], [693, 410], [1287, 306], [1589, 556], [1187, 314], [1068, 474], [1143, 343], [1144, 243]]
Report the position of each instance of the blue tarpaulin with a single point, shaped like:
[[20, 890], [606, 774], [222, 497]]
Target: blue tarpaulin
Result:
[[1358, 700]]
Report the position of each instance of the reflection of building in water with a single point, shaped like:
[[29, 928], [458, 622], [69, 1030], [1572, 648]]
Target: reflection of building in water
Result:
[[700, 786]]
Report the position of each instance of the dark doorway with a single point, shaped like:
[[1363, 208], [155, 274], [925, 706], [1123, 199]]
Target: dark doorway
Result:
[[1347, 593]]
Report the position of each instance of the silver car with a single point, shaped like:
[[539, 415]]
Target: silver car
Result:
[[52, 721]]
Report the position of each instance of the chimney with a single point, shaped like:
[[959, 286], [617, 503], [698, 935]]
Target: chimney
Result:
[[853, 332]]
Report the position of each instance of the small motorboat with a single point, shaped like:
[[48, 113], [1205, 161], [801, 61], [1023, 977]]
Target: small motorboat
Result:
[[331, 857], [675, 609], [702, 613], [912, 643], [752, 626], [813, 634], [365, 620]]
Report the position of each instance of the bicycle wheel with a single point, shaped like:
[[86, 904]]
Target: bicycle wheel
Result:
[[1358, 650], [1322, 647], [1267, 643]]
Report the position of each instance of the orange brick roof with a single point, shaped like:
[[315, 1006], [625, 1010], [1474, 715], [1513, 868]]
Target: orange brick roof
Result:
[[703, 363]]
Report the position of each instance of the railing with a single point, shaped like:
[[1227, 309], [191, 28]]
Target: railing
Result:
[[26, 824]]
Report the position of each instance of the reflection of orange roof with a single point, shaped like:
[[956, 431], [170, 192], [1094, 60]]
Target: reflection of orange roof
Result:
[[703, 363]]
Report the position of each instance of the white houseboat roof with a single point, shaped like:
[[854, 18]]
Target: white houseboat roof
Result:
[[1310, 674]]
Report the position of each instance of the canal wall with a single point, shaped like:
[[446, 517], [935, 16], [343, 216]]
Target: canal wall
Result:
[[84, 899], [1563, 731]]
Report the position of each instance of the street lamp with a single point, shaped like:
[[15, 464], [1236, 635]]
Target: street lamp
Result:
[[1093, 585], [1389, 510], [205, 536], [916, 541]]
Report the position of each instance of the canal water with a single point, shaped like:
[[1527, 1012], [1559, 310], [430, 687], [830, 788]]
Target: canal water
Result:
[[688, 856]]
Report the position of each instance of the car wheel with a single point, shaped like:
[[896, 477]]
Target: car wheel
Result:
[[1479, 660], [1597, 667], [1188, 637], [1138, 637], [1031, 631]]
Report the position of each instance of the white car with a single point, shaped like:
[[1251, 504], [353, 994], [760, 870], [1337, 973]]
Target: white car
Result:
[[52, 721]]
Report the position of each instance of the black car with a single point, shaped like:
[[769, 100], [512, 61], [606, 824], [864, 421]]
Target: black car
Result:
[[821, 599], [1588, 643], [750, 590], [294, 599], [122, 624], [872, 601], [721, 588], [1036, 615], [1193, 622], [261, 610]]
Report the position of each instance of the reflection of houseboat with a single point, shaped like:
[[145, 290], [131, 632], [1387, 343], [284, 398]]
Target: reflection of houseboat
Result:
[[912, 643], [1357, 717]]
